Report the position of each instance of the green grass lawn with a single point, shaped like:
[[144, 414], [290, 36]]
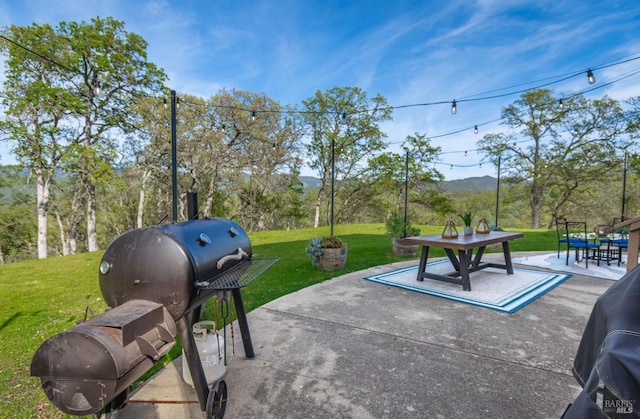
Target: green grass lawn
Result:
[[39, 298]]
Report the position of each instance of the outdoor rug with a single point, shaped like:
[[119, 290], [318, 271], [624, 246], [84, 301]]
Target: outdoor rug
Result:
[[491, 288], [551, 261]]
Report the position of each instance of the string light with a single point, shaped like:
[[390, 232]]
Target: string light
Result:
[[590, 76]]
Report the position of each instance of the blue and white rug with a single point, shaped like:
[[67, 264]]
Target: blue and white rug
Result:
[[553, 262], [491, 288]]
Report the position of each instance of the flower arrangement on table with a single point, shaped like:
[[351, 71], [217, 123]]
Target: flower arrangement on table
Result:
[[467, 218]]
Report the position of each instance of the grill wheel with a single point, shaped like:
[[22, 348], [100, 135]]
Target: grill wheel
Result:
[[217, 400]]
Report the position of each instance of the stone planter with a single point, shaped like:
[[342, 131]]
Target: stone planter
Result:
[[333, 259], [402, 249]]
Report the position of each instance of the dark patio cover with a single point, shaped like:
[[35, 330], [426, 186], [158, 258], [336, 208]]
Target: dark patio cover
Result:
[[607, 363]]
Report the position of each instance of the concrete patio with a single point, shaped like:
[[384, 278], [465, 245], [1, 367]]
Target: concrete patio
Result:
[[349, 348]]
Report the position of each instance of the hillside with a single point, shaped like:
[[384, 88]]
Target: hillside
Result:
[[472, 184]]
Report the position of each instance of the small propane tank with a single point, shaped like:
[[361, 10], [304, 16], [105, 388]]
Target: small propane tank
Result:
[[211, 351]]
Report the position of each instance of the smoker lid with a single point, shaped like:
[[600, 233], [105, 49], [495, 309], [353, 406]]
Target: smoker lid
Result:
[[164, 263]]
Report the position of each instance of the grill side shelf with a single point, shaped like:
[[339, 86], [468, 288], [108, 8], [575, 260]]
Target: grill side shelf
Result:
[[239, 276]]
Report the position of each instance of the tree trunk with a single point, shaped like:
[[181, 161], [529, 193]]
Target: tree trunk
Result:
[[63, 236], [73, 241], [140, 207], [316, 220], [75, 217], [536, 200], [42, 202], [208, 202], [143, 187], [92, 235]]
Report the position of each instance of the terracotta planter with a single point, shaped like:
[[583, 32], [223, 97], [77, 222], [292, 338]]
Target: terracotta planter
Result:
[[401, 249], [333, 259]]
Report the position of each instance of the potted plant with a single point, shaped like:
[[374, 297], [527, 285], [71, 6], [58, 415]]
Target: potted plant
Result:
[[398, 229], [327, 252], [467, 218]]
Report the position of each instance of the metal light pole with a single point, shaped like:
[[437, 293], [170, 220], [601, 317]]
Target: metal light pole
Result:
[[624, 184], [498, 191], [406, 192], [333, 170], [251, 199], [174, 157]]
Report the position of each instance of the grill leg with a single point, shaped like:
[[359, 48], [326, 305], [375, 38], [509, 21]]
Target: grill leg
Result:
[[242, 322], [193, 361]]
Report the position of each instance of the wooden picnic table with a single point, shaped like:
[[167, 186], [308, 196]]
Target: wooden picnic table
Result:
[[464, 262]]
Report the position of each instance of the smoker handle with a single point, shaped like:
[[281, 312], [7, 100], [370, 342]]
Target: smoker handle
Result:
[[238, 256]]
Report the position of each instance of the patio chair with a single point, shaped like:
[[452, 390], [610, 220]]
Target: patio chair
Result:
[[620, 237], [578, 240], [608, 244], [561, 230]]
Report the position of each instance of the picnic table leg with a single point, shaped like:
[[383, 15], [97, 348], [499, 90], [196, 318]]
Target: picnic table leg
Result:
[[453, 259], [464, 270], [507, 256], [423, 262], [478, 257]]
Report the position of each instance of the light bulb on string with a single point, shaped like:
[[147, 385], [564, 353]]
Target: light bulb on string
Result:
[[454, 107], [465, 153], [560, 104], [475, 129], [590, 77], [253, 115]]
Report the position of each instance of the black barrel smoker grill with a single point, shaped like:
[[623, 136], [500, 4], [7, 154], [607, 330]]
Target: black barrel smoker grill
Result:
[[155, 281]]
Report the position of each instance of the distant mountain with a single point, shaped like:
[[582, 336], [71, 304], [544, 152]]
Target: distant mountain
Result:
[[471, 184], [310, 182]]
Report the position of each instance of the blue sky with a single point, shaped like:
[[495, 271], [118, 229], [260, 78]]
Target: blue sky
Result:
[[409, 51]]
